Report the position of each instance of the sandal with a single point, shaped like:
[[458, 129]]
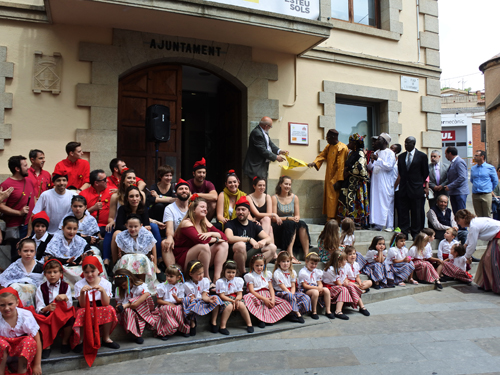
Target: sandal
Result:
[[295, 261], [413, 282], [401, 284]]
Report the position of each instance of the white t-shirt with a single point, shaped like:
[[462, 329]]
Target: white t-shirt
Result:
[[104, 283], [395, 253], [55, 205], [445, 247], [165, 291], [287, 278], [26, 325], [329, 276], [191, 288], [372, 254], [259, 281], [349, 240], [460, 262], [310, 277], [352, 270], [229, 287], [173, 213], [425, 254]]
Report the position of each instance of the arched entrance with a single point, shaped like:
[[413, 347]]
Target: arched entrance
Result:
[[205, 115]]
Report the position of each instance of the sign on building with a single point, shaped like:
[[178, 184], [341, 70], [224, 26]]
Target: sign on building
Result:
[[297, 8], [448, 135]]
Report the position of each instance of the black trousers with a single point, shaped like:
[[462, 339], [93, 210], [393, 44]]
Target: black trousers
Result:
[[411, 210]]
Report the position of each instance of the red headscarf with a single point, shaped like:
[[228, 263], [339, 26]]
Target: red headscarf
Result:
[[181, 182], [91, 260], [243, 201], [200, 164], [14, 292], [53, 260]]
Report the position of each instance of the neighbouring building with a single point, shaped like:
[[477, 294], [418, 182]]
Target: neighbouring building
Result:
[[491, 71], [88, 70]]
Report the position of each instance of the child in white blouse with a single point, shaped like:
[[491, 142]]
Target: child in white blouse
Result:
[[310, 282], [169, 297], [198, 300], [18, 335], [374, 267], [353, 270], [421, 254], [347, 237], [285, 285], [455, 266], [447, 243], [134, 304], [261, 300], [230, 290], [398, 264]]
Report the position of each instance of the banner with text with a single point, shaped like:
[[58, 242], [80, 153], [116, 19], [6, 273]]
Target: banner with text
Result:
[[298, 8]]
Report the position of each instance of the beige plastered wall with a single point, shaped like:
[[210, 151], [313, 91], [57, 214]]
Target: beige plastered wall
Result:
[[45, 121]]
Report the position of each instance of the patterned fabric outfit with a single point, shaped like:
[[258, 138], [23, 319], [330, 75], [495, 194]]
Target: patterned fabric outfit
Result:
[[423, 269], [25, 283], [197, 306], [373, 269], [171, 317], [353, 198], [135, 321], [299, 301], [283, 233], [350, 294], [456, 268]]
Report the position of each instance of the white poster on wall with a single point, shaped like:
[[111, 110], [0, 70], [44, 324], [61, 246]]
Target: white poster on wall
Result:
[[297, 8]]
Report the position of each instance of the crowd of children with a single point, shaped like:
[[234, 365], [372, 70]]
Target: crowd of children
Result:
[[36, 301]]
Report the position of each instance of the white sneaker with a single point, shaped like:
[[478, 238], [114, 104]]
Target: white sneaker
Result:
[[388, 230]]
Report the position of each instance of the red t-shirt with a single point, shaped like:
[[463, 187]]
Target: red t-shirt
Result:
[[41, 182], [78, 172], [205, 188], [92, 197], [20, 191]]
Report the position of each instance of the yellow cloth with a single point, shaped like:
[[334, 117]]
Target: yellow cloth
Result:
[[227, 194], [335, 157], [294, 163]]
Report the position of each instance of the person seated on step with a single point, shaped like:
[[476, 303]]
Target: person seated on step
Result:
[[329, 240], [454, 267], [161, 194], [118, 167], [421, 257], [88, 228], [204, 188], [226, 202], [440, 218], [246, 238], [40, 223]]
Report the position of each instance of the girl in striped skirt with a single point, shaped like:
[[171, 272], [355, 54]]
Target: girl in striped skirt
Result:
[[260, 300], [134, 304], [374, 268], [455, 265], [230, 290], [341, 290], [310, 282], [421, 255], [285, 283], [398, 265], [197, 300], [169, 297], [353, 269]]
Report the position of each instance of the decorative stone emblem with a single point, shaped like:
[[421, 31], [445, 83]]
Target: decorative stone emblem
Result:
[[47, 73]]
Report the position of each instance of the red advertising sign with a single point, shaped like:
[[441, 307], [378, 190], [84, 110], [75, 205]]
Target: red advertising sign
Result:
[[447, 135]]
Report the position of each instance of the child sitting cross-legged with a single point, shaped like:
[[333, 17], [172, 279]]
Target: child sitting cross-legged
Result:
[[455, 266]]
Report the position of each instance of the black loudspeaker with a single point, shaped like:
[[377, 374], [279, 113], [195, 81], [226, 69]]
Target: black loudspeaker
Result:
[[157, 123]]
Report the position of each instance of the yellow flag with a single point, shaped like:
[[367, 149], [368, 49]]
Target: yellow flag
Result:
[[294, 163]]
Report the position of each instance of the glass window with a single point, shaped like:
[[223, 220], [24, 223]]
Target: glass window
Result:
[[353, 118], [364, 12]]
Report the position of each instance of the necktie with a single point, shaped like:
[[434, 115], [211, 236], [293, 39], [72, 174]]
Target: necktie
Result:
[[408, 161], [438, 175]]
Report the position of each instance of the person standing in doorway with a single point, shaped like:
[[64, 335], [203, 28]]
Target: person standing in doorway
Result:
[[413, 166], [484, 180], [335, 155], [261, 150], [457, 187]]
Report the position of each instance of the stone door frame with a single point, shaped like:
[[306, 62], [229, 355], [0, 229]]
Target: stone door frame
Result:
[[130, 51]]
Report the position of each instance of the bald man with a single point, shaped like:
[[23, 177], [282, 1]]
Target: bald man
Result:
[[261, 150]]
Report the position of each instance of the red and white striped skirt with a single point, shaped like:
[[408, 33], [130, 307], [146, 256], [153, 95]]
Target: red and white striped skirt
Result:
[[350, 295], [257, 307], [425, 271], [135, 321], [449, 269], [105, 314], [171, 320], [23, 346]]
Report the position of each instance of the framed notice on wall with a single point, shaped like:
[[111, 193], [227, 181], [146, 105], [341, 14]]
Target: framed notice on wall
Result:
[[298, 134]]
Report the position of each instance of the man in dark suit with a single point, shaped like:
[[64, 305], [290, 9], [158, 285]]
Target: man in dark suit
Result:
[[458, 185], [261, 150], [438, 177], [413, 171]]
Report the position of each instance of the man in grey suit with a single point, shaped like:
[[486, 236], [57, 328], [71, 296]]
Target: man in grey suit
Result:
[[261, 150], [457, 186], [438, 173]]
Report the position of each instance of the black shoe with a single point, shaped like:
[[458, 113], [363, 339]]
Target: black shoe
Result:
[[46, 353], [314, 316], [214, 328], [161, 277], [192, 331], [109, 270], [341, 315], [139, 340], [224, 331], [438, 285], [301, 320], [261, 324], [475, 259], [293, 318], [269, 324], [164, 338], [445, 278], [78, 349], [184, 334], [364, 311], [367, 290], [377, 287], [250, 329], [111, 345], [330, 316], [65, 349], [390, 286]]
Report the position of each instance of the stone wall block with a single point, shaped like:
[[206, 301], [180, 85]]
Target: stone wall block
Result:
[[88, 95], [429, 40], [233, 61], [322, 144], [433, 87], [6, 69], [3, 53], [327, 123], [431, 24], [326, 97], [102, 118], [258, 108], [6, 100], [325, 10], [98, 52], [431, 104], [393, 105], [329, 109], [432, 57], [258, 89], [432, 139], [103, 74], [429, 7], [434, 121], [395, 128], [100, 141], [5, 131]]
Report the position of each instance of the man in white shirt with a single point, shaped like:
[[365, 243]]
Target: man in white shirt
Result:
[[55, 202], [172, 217]]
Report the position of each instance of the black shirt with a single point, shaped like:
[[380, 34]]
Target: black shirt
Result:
[[251, 230], [121, 218]]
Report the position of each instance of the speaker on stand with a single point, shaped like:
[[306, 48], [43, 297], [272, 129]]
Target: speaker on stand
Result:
[[157, 127]]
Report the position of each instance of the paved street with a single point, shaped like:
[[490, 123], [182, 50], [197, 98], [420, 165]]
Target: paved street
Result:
[[448, 332]]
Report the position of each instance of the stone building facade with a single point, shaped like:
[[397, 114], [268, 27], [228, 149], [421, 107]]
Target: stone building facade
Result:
[[491, 71]]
